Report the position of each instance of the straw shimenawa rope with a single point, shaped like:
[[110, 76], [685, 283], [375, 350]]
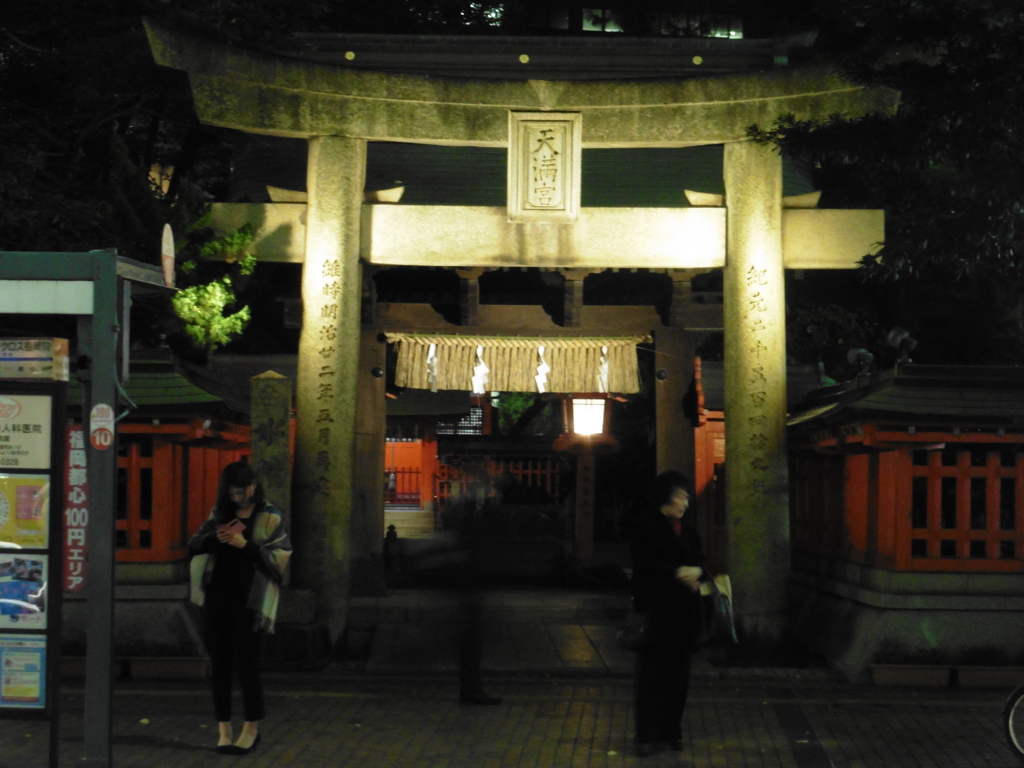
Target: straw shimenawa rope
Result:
[[575, 362]]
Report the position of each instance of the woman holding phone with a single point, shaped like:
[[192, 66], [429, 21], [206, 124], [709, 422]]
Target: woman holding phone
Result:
[[238, 560]]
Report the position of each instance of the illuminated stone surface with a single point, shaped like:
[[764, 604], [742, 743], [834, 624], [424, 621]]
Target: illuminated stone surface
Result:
[[757, 493], [258, 93], [326, 387], [427, 235]]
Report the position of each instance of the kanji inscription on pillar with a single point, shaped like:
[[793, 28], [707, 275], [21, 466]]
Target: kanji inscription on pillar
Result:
[[757, 383], [544, 166]]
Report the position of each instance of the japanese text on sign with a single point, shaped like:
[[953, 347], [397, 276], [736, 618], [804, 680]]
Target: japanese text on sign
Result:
[[24, 432], [23, 665], [101, 426], [544, 166], [24, 511], [757, 383], [76, 511]]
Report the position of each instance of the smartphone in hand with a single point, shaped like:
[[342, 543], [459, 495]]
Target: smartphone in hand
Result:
[[235, 526]]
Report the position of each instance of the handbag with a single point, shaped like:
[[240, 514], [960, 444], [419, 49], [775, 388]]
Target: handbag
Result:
[[717, 623], [634, 634]]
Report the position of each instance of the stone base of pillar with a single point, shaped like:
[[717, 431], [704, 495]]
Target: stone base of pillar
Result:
[[297, 606], [299, 641], [763, 628], [368, 577]]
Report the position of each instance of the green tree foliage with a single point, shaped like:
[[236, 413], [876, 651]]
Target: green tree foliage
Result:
[[201, 307], [86, 114], [525, 413], [949, 166], [262, 24], [510, 406], [824, 333], [202, 303]]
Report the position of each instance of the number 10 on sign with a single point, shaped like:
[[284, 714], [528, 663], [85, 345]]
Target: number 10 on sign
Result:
[[101, 426]]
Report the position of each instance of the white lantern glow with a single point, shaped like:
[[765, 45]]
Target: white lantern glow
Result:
[[588, 415]]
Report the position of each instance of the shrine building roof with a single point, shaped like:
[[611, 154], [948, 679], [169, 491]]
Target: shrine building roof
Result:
[[157, 388], [920, 397]]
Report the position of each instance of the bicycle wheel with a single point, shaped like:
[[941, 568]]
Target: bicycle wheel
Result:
[[1013, 717]]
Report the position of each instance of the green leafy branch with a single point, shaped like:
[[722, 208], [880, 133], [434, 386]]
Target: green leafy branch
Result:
[[205, 305]]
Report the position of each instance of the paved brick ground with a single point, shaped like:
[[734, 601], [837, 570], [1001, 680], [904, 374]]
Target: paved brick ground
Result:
[[361, 720], [507, 648]]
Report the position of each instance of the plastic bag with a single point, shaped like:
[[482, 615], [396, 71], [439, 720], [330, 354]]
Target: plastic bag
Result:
[[717, 623]]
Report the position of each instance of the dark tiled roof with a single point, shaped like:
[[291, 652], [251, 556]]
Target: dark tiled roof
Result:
[[922, 396], [229, 376], [168, 388], [155, 390], [422, 402]]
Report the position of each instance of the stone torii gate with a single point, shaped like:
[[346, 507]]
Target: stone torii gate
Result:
[[752, 237]]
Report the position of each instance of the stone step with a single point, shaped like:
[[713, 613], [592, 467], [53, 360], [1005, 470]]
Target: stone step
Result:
[[409, 523], [411, 530]]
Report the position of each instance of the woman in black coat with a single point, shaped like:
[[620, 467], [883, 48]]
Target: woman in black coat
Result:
[[239, 557], [667, 571]]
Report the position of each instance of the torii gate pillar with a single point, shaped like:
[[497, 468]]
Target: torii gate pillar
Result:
[[326, 387], [756, 488]]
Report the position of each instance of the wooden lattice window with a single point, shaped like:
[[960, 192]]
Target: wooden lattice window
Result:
[[817, 503], [540, 474], [967, 508], [149, 501]]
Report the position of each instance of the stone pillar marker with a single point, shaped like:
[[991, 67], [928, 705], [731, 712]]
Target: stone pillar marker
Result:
[[271, 399], [584, 523], [327, 376], [757, 494]]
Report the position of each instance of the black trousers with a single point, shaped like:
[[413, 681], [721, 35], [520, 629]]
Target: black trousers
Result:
[[233, 646], [661, 687]]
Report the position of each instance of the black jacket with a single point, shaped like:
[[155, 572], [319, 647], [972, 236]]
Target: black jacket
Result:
[[657, 551]]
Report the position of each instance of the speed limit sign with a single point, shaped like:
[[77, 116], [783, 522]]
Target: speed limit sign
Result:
[[101, 426]]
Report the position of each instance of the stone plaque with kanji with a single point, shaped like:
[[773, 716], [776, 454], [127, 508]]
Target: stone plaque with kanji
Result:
[[544, 166]]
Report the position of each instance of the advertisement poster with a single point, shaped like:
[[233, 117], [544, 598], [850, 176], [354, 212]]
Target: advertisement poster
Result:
[[24, 511], [25, 432], [40, 359], [23, 671], [76, 510], [23, 580]]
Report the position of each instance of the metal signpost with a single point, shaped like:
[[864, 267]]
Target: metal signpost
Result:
[[96, 287]]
